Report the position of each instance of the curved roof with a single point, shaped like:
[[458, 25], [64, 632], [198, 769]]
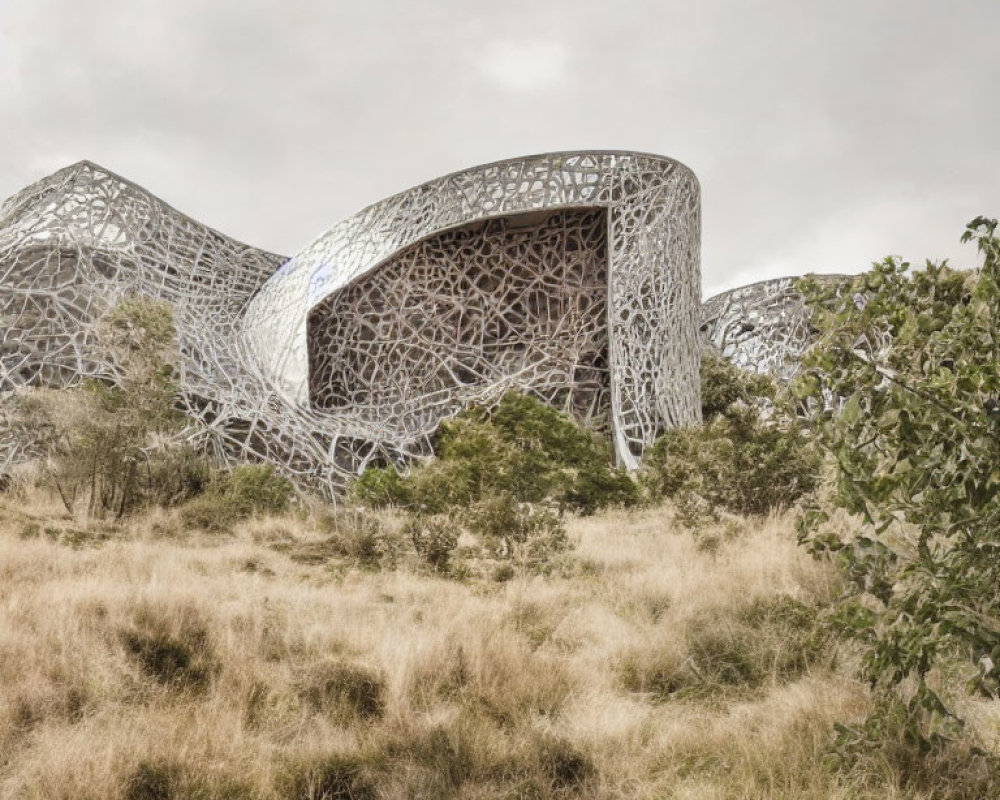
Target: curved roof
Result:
[[654, 278], [763, 327]]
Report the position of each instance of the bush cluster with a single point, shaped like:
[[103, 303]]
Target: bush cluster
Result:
[[523, 448], [434, 537], [229, 497], [505, 476], [914, 355], [112, 446], [520, 532], [360, 536], [748, 458], [98, 439]]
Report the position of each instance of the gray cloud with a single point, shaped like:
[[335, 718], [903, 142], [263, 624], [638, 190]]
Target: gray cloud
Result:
[[825, 135]]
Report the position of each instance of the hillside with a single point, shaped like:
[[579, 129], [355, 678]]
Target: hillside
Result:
[[152, 661]]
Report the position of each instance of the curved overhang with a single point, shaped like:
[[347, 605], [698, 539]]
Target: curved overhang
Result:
[[653, 210], [764, 327]]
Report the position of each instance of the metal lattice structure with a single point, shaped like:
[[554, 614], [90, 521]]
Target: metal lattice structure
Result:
[[573, 276], [652, 291], [77, 241], [509, 300], [763, 327]]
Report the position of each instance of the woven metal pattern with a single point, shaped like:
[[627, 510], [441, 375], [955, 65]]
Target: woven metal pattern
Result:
[[653, 213], [510, 302], [574, 276], [74, 243], [763, 327]]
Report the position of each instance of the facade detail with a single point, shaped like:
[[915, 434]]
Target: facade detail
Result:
[[572, 276], [652, 207], [764, 327]]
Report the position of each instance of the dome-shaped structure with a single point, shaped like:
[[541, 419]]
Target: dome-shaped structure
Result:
[[763, 327], [574, 276]]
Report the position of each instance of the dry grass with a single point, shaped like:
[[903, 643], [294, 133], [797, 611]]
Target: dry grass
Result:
[[148, 662]]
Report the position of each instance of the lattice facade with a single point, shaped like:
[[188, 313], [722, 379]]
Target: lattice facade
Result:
[[574, 276], [763, 327], [510, 301], [652, 296], [74, 243]]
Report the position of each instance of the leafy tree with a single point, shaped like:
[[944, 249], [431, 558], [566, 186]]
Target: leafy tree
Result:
[[724, 385], [915, 357], [98, 438]]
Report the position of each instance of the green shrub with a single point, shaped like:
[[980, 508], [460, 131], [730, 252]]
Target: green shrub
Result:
[[523, 448], [595, 486], [916, 448], [886, 747], [97, 438], [257, 489], [525, 533], [736, 462], [233, 496], [723, 385], [749, 457], [379, 487], [210, 512]]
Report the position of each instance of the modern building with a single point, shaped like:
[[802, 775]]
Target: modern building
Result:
[[571, 276]]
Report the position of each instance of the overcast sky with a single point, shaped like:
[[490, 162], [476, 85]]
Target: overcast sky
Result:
[[825, 134]]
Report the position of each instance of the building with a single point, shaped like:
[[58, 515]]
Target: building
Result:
[[571, 276]]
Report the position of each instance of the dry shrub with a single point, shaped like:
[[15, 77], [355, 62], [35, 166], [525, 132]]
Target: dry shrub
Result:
[[163, 668], [496, 674], [45, 701], [561, 765], [171, 645], [343, 691], [354, 534], [173, 780], [767, 641], [440, 758], [472, 755], [338, 776], [527, 534], [434, 537]]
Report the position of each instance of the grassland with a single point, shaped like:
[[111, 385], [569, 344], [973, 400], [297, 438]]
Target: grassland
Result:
[[149, 662]]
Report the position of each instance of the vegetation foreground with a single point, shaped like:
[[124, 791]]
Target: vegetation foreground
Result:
[[146, 660], [171, 628]]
